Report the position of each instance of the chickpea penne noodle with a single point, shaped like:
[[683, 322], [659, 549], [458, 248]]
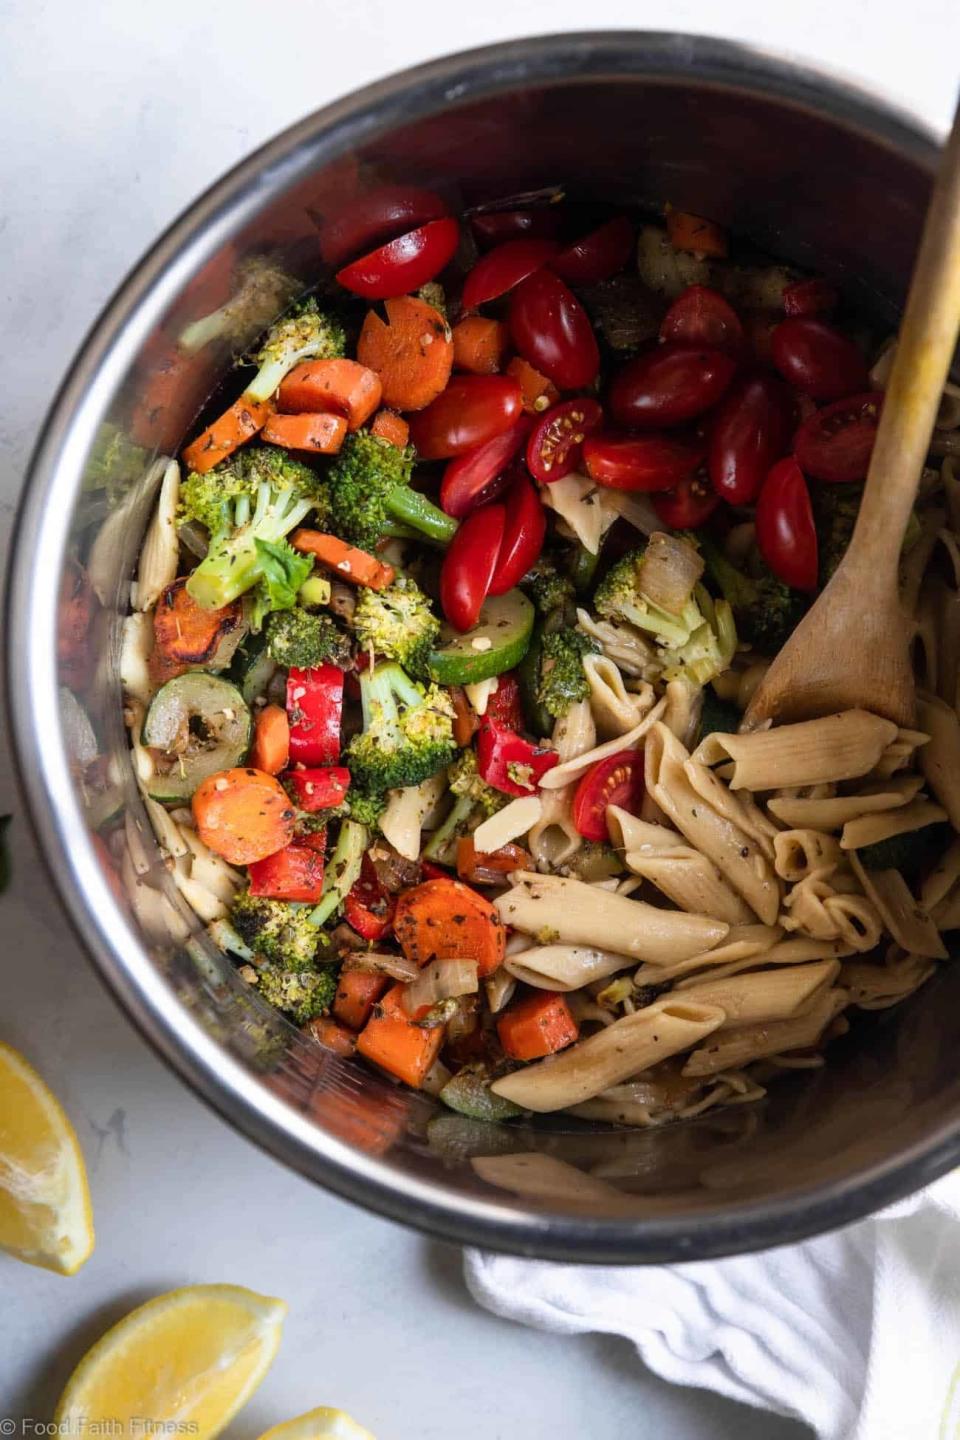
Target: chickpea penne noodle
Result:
[[871, 829], [838, 747], [564, 967], [876, 987], [798, 852], [743, 942], [911, 927], [570, 770], [509, 823], [757, 997], [940, 757], [832, 813], [615, 710], [735, 1048], [623, 1049]]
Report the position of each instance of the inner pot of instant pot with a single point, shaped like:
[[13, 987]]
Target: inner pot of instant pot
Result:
[[808, 171]]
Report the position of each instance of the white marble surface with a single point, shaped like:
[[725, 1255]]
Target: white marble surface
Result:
[[115, 114]]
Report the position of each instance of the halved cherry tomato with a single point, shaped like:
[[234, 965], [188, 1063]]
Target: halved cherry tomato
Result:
[[750, 431], [555, 443], [368, 907], [810, 297], [493, 227], [372, 218], [505, 705], [640, 462], [469, 565], [472, 410], [482, 474], [701, 316], [551, 330], [786, 536], [598, 255], [689, 504], [524, 526], [617, 780], [835, 443], [816, 359], [403, 264], [502, 269], [669, 385]]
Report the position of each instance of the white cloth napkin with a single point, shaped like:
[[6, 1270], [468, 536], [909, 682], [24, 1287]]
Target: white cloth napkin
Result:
[[857, 1333]]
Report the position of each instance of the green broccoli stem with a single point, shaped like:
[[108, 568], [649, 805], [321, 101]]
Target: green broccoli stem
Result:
[[583, 568], [343, 871], [227, 572], [224, 936], [382, 688], [414, 509], [456, 824]]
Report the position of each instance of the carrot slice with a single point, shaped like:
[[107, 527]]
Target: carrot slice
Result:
[[184, 634], [321, 434], [271, 740], [479, 344], [412, 353], [694, 233], [243, 815], [446, 919], [357, 991], [488, 867], [537, 393], [538, 1025], [349, 562], [391, 427], [342, 386], [391, 1040], [466, 721], [233, 428], [331, 1035]]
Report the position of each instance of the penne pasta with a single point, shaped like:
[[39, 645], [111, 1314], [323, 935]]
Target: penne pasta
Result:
[[625, 1048], [748, 943], [514, 820], [616, 711], [564, 967], [813, 752], [732, 1049], [822, 907], [735, 854], [627, 648], [762, 996], [558, 910], [834, 811], [877, 987], [871, 829], [911, 927], [569, 771], [798, 852], [553, 840], [682, 713], [943, 879], [940, 758]]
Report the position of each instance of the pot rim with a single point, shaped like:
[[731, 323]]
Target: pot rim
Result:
[[38, 546]]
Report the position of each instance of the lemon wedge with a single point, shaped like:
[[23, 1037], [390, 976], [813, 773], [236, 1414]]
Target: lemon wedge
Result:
[[322, 1424], [192, 1357], [45, 1214]]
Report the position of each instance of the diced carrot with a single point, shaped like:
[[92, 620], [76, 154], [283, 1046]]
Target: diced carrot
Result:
[[488, 867], [466, 721], [446, 919], [331, 1035], [479, 344], [537, 393], [340, 386], [233, 428], [271, 740], [369, 1122], [412, 353], [320, 434], [357, 990], [390, 426], [243, 814], [537, 1025], [391, 1040], [694, 233], [350, 563], [185, 635]]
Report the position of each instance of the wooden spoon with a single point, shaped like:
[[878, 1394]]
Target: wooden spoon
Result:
[[852, 648]]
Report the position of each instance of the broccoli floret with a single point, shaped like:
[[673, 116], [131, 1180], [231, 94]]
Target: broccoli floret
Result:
[[407, 734], [248, 505], [562, 680], [434, 294], [549, 588], [297, 637], [364, 806], [262, 289], [473, 800], [280, 931], [370, 488], [698, 642], [301, 994], [912, 854], [835, 510], [305, 334], [766, 610], [399, 623], [718, 717]]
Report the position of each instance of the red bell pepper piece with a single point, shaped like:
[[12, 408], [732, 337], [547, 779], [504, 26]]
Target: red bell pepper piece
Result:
[[318, 789], [294, 873], [368, 907], [504, 705], [315, 705], [508, 762]]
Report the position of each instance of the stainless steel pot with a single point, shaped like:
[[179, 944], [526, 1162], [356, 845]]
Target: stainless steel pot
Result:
[[816, 172]]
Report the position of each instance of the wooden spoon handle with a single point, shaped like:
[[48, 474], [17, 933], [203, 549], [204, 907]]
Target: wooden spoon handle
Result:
[[928, 337]]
